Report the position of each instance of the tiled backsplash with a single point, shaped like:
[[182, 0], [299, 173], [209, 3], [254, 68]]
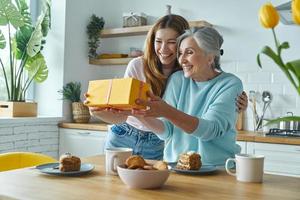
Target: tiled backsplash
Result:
[[270, 78], [38, 135]]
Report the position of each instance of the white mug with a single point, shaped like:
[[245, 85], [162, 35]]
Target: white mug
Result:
[[249, 168], [115, 157]]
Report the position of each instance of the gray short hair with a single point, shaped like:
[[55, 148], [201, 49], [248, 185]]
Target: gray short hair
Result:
[[208, 39]]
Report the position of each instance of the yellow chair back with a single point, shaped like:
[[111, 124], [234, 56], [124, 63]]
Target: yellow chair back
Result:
[[17, 160]]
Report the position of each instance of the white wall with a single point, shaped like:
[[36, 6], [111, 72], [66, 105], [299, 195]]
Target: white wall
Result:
[[48, 99], [236, 20]]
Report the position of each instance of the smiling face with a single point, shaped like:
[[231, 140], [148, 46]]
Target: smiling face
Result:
[[165, 46], [196, 64]]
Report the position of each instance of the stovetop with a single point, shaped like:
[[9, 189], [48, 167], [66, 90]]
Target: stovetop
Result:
[[285, 133]]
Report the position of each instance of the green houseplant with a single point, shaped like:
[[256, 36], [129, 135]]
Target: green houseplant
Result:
[[269, 19], [71, 92], [94, 27], [23, 42], [26, 62]]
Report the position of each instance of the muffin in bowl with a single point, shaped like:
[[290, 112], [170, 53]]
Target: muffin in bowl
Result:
[[136, 173]]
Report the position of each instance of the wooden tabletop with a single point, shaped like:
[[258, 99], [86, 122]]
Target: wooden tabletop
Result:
[[30, 184], [248, 136]]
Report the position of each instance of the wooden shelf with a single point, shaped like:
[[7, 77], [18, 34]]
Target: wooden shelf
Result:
[[131, 31], [140, 30], [112, 61]]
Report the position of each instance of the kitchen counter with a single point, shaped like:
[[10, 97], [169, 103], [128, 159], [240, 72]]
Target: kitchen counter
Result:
[[29, 183], [86, 126], [248, 136]]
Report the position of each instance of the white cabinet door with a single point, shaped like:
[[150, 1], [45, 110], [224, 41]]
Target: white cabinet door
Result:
[[243, 146], [81, 143], [279, 158]]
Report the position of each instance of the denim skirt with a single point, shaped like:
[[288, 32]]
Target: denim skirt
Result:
[[143, 143]]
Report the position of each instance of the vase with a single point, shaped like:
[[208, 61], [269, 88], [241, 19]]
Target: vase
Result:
[[18, 109], [81, 113]]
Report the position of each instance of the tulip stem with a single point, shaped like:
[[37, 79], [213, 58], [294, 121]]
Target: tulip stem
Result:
[[276, 41]]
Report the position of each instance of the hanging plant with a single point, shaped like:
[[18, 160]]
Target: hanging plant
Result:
[[94, 27]]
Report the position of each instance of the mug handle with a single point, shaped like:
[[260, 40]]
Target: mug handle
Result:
[[112, 163], [227, 168]]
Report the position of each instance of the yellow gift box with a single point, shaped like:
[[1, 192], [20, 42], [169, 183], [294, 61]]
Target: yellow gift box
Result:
[[116, 93]]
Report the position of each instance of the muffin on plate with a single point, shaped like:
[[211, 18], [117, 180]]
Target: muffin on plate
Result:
[[68, 163], [189, 161]]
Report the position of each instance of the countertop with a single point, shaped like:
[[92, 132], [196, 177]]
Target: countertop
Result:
[[29, 183], [248, 136]]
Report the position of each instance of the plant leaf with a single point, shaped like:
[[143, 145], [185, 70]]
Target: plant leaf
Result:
[[22, 38], [258, 60], [24, 10], [46, 22], [35, 42], [284, 119], [2, 40], [269, 52], [9, 13], [294, 67], [37, 68], [284, 45]]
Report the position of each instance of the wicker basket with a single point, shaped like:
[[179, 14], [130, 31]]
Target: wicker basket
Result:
[[81, 113], [134, 19]]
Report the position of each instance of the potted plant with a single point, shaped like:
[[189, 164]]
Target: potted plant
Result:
[[25, 63], [71, 92], [269, 19]]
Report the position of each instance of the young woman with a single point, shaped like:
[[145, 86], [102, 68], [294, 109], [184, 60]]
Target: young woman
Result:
[[154, 67]]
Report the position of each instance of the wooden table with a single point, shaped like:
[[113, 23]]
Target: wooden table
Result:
[[31, 184]]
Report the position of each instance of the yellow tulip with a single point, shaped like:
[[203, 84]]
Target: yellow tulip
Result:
[[296, 11], [268, 16]]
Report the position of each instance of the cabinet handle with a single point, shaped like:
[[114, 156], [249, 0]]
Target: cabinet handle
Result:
[[84, 133]]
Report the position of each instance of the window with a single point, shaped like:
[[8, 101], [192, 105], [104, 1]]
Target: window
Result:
[[4, 55], [4, 59]]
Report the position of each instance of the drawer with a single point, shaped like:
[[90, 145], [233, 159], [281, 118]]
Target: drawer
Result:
[[82, 143]]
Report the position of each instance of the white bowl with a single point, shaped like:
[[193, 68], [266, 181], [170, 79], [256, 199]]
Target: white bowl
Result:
[[144, 179]]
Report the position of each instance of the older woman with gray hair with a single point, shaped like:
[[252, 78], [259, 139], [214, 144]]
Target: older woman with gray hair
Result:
[[197, 112]]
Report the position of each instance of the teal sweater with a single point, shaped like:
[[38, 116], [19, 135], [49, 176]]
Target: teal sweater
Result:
[[213, 103]]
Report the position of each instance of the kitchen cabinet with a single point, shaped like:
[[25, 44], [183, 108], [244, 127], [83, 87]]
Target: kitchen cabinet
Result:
[[81, 142], [131, 31], [280, 159], [243, 146]]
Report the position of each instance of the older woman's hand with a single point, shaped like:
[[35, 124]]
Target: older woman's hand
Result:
[[156, 107]]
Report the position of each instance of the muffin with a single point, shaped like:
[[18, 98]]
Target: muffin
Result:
[[160, 165], [68, 163], [189, 161], [135, 162]]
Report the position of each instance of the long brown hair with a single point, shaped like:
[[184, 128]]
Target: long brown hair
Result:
[[152, 65]]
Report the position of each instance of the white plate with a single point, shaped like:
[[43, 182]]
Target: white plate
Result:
[[52, 168], [203, 170]]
